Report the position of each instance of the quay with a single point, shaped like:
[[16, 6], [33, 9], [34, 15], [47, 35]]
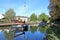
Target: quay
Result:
[[10, 24]]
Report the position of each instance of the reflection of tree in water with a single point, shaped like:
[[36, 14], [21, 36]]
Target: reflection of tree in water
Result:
[[54, 32], [43, 29], [9, 35], [33, 29]]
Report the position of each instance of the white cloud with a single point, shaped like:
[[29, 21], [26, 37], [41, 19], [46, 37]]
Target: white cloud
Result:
[[1, 16]]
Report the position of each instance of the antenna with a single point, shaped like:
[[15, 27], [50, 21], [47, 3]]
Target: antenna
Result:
[[25, 10]]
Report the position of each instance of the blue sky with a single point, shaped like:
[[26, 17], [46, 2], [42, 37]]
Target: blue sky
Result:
[[32, 6]]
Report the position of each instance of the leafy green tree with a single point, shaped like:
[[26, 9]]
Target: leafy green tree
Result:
[[33, 17], [10, 14], [43, 16]]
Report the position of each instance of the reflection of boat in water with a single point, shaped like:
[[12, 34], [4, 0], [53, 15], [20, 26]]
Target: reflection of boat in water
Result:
[[17, 31], [13, 28], [25, 26], [20, 28]]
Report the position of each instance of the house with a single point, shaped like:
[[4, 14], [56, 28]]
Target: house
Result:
[[1, 16], [22, 18]]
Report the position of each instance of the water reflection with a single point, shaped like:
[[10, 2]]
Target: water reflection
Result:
[[33, 29], [9, 35], [32, 34], [2, 37], [40, 28]]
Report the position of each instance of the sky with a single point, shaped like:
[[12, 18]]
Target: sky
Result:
[[32, 6]]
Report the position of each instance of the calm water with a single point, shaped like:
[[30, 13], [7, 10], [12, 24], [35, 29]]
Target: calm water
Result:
[[29, 35]]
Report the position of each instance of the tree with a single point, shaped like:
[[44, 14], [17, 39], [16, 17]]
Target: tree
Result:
[[54, 8], [10, 14], [53, 31], [43, 16], [33, 17]]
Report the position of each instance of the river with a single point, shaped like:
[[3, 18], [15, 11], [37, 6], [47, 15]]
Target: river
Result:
[[31, 34]]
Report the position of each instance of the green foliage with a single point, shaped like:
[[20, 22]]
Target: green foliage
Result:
[[54, 30], [43, 16], [33, 17], [9, 36], [54, 8], [52, 37], [33, 29], [10, 14], [43, 29]]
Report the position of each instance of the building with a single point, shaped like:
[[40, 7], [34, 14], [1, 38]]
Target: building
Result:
[[22, 18], [1, 16]]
